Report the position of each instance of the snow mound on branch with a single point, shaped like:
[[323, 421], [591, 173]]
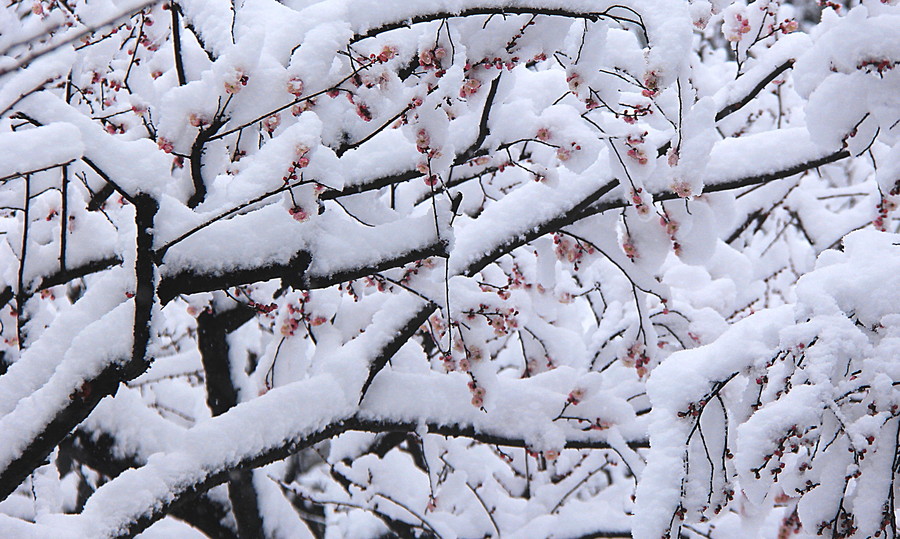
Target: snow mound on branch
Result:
[[811, 344]]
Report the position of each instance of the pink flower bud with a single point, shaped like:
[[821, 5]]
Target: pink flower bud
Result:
[[295, 86], [682, 188], [271, 123], [196, 120]]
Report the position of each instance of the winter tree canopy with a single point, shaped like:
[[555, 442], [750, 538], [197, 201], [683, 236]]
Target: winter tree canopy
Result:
[[451, 269]]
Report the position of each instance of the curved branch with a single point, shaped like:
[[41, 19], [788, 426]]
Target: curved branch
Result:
[[196, 160], [85, 398], [507, 10], [591, 206], [388, 351], [531, 233], [98, 452], [183, 493], [296, 273], [737, 105]]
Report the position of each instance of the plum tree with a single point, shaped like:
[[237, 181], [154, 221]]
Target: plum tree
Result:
[[449, 269]]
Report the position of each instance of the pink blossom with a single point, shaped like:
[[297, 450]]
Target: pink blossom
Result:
[[295, 86], [271, 123]]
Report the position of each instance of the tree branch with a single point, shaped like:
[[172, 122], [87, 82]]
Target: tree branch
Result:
[[395, 344], [183, 493], [506, 10], [176, 45], [295, 273], [84, 399], [221, 396], [64, 276], [190, 281], [96, 451], [196, 159], [737, 105], [590, 206]]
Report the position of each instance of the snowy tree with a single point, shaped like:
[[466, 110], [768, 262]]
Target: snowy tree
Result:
[[481, 268]]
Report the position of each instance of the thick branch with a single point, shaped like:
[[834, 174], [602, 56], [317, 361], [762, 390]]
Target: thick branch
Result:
[[81, 403], [191, 282], [196, 160], [295, 273], [144, 292], [186, 492], [222, 395], [377, 183], [212, 332], [315, 281], [83, 400], [96, 452], [64, 276]]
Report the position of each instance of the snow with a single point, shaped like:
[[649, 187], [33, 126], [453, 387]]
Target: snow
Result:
[[733, 159], [691, 280], [38, 364], [136, 165], [17, 150], [522, 211], [89, 354]]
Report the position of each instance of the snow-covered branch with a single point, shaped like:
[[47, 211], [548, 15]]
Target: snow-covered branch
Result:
[[477, 268]]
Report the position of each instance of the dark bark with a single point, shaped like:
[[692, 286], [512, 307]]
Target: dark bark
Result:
[[176, 45], [506, 10], [221, 396], [295, 273], [386, 353], [191, 282], [737, 105], [289, 447], [85, 398], [97, 451], [63, 276], [196, 159]]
